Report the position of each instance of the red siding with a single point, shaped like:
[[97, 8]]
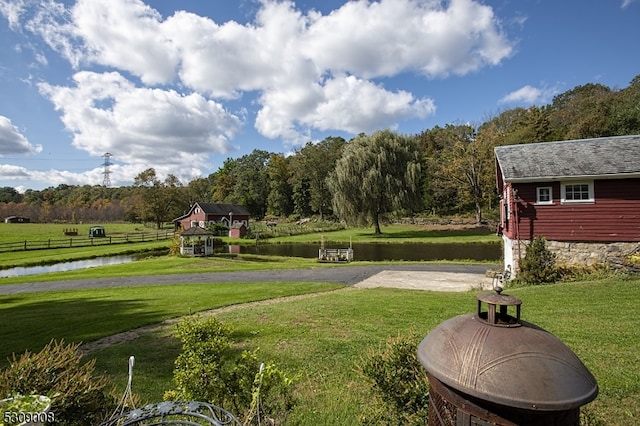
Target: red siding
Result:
[[614, 215], [198, 217]]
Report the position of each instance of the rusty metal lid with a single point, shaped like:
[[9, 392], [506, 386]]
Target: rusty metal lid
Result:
[[507, 361]]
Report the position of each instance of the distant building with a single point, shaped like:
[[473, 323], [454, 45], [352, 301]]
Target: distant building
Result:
[[205, 214], [238, 230], [196, 241], [16, 219]]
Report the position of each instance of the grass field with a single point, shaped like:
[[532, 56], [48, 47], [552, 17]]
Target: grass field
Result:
[[323, 336], [393, 234], [12, 232]]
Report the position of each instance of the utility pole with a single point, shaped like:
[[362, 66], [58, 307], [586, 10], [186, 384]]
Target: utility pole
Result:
[[106, 181]]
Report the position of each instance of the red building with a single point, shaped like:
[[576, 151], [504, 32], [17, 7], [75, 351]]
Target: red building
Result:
[[583, 196], [205, 214]]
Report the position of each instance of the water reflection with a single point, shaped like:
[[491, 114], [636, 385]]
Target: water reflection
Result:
[[381, 252], [366, 252], [66, 266]]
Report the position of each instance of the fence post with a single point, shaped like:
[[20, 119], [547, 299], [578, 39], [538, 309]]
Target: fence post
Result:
[[25, 244], [70, 242], [49, 243]]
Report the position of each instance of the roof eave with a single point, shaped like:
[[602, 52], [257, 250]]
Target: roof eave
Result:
[[573, 178]]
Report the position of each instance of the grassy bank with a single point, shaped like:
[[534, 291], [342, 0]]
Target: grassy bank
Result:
[[393, 234], [397, 234]]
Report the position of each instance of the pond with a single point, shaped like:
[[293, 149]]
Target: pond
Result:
[[380, 252], [371, 252]]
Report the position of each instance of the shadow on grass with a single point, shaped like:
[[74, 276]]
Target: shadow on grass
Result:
[[32, 324]]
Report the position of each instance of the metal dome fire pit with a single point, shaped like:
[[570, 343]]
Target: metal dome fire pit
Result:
[[492, 368]]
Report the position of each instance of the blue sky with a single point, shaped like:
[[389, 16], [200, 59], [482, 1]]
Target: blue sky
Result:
[[181, 86]]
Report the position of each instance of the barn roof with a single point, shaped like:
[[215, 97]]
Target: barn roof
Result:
[[609, 157], [224, 209]]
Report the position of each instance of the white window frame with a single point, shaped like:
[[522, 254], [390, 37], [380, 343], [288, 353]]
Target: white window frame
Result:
[[539, 191], [563, 192]]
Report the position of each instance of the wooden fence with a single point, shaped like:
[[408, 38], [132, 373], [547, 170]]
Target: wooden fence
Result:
[[134, 237]]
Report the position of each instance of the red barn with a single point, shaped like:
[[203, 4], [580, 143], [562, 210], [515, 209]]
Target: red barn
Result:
[[204, 214], [583, 196]]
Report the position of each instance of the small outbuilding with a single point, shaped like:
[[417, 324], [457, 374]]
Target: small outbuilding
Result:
[[196, 241], [97, 232], [238, 230], [16, 219]]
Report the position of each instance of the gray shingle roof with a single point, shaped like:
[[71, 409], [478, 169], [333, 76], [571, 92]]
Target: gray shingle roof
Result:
[[223, 209], [600, 157]]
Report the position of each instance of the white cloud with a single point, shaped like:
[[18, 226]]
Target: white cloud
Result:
[[627, 3], [14, 142], [284, 52], [372, 39], [12, 10], [10, 171], [126, 35], [142, 126], [345, 102], [530, 95]]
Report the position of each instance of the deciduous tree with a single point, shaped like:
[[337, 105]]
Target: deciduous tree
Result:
[[376, 174], [161, 201], [280, 201]]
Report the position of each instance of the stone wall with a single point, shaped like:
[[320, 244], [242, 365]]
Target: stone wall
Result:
[[588, 254], [577, 254]]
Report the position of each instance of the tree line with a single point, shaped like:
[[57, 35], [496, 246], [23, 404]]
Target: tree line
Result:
[[441, 171]]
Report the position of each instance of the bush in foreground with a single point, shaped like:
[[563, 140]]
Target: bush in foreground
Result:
[[399, 383], [211, 369], [78, 396]]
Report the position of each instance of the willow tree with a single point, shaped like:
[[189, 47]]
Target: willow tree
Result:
[[376, 174]]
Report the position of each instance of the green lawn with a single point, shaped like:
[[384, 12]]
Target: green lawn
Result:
[[395, 234], [322, 337], [12, 232], [30, 320]]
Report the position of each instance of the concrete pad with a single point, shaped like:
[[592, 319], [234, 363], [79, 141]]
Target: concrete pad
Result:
[[423, 280]]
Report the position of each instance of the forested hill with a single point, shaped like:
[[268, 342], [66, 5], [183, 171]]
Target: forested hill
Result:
[[453, 172]]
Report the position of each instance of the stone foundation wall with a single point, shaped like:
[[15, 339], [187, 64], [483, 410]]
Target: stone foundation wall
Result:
[[588, 254], [579, 253]]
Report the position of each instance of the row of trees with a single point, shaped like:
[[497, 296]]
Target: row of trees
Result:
[[443, 170]]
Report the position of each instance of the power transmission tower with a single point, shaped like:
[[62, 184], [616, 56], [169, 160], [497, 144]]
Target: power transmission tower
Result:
[[106, 181]]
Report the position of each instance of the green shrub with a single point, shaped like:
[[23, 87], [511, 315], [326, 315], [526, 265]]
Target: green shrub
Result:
[[399, 383], [78, 397], [211, 369], [539, 263]]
